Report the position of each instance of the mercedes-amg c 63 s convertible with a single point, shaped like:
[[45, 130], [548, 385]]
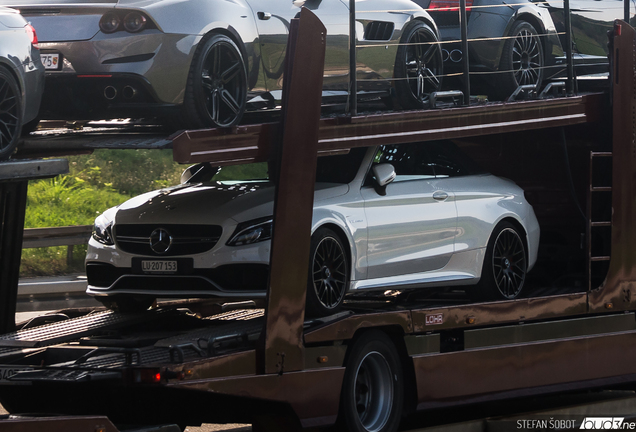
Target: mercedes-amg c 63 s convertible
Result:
[[390, 217]]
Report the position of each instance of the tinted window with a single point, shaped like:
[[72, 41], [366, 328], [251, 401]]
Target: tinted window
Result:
[[427, 160], [410, 161], [449, 161]]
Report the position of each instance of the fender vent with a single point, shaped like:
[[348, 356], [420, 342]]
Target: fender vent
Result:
[[379, 30]]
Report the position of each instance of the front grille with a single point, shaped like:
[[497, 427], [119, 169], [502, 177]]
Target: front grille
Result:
[[378, 30], [186, 239]]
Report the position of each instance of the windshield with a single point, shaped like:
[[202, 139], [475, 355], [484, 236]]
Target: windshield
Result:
[[329, 169]]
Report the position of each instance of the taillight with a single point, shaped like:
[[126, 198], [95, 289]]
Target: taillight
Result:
[[34, 37], [448, 5]]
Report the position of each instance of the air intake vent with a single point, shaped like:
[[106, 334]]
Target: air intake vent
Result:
[[378, 30]]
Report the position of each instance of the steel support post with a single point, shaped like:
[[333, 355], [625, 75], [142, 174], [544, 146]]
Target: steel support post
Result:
[[465, 62], [353, 78], [12, 209], [293, 207], [571, 87], [14, 177]]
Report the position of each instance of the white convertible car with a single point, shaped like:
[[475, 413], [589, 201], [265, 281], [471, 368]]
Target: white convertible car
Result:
[[390, 217]]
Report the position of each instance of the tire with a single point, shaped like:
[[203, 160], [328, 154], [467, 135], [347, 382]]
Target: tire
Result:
[[373, 387], [10, 114], [126, 304], [523, 58], [329, 272], [418, 66], [216, 91], [505, 264]]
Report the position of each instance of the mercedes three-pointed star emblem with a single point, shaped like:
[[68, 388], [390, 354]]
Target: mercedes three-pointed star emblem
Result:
[[160, 241]]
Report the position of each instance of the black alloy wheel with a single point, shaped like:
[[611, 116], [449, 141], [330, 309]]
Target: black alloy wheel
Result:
[[10, 114], [373, 387], [328, 274], [522, 59], [216, 92], [418, 66], [505, 264]]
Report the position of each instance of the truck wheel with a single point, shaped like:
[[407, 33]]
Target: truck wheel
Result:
[[10, 114], [373, 386], [216, 92], [418, 66], [505, 264], [328, 274], [126, 304], [523, 57]]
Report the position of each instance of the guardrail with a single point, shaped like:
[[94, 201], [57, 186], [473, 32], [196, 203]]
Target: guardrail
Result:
[[57, 236]]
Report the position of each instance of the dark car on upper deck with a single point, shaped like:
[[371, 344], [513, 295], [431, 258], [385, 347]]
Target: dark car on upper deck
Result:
[[522, 42]]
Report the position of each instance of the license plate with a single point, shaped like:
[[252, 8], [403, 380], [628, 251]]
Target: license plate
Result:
[[50, 61], [156, 266]]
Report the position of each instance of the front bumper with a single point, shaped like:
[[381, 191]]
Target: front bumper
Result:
[[231, 280]]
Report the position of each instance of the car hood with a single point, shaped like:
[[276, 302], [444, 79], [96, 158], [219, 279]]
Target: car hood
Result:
[[210, 203]]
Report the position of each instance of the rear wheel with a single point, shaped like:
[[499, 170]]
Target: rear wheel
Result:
[[418, 66], [505, 265], [216, 92], [373, 386], [10, 114], [328, 274], [522, 58]]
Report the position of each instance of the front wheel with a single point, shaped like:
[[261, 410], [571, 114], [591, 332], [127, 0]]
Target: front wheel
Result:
[[522, 60], [418, 66], [216, 92], [373, 387], [505, 265], [329, 271]]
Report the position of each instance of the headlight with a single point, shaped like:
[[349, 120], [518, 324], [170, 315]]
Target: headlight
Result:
[[252, 232], [134, 22], [109, 22], [103, 230]]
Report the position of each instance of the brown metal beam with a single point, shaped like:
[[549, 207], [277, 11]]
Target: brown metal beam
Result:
[[293, 206], [245, 144]]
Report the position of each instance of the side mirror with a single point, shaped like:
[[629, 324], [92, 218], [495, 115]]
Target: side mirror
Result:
[[384, 174], [200, 172]]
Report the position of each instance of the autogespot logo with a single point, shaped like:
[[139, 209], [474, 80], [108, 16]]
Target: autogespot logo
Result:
[[606, 423], [160, 241]]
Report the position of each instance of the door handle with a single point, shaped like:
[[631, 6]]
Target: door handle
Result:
[[264, 15], [440, 196]]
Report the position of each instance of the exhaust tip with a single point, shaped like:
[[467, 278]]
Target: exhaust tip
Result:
[[456, 56], [110, 92], [129, 92], [445, 54]]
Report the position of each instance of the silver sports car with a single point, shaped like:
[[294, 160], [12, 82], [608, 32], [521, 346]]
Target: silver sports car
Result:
[[205, 61], [21, 78], [390, 217]]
